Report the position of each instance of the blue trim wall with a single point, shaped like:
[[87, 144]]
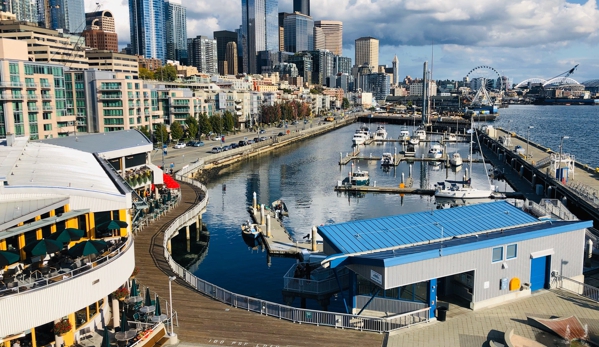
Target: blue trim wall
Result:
[[432, 297]]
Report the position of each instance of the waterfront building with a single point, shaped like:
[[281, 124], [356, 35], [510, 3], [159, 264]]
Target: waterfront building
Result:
[[341, 81], [322, 66], [378, 84], [151, 64], [286, 69], [417, 88], [231, 59], [68, 15], [259, 30], [452, 254], [367, 52], [302, 6], [146, 28], [112, 61], [223, 38], [303, 62], [341, 65], [299, 33], [201, 52], [45, 45], [175, 31], [333, 35]]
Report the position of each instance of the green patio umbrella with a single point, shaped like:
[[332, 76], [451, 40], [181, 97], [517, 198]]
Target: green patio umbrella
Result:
[[134, 291], [147, 299], [157, 310], [124, 323], [151, 210], [7, 258], [67, 235], [111, 225], [88, 247], [105, 339], [43, 247]]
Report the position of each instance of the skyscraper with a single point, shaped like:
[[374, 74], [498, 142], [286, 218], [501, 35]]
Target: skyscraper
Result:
[[201, 52], [231, 58], [223, 37], [282, 16], [259, 30], [25, 10], [299, 31], [146, 26], [100, 31], [319, 42], [333, 35], [302, 6], [175, 30], [395, 71], [68, 15], [367, 52]]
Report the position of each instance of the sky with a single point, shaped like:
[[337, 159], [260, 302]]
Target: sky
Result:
[[519, 39]]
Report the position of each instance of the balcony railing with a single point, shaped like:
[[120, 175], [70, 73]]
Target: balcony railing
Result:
[[46, 96], [46, 85], [31, 85], [32, 96], [11, 84], [110, 96], [110, 87]]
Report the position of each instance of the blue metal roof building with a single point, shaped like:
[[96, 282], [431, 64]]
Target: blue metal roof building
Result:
[[484, 254]]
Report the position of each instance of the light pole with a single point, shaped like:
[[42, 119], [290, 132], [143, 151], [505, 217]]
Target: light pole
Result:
[[170, 295], [559, 165], [527, 139]]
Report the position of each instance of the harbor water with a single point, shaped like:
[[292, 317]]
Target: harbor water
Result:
[[304, 175]]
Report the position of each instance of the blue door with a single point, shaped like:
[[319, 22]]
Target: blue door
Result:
[[538, 273]]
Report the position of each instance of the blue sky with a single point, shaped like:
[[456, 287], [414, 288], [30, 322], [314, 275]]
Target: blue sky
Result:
[[520, 39]]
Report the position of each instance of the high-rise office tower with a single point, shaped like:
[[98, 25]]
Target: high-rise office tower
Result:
[[231, 58], [68, 15], [319, 42], [223, 37], [259, 30], [100, 31], [299, 32], [24, 10], [302, 6], [367, 52], [282, 16], [146, 26], [395, 71], [333, 35], [175, 30], [201, 53]]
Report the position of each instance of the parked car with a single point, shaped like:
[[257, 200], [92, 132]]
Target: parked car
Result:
[[263, 138], [180, 145], [226, 148], [242, 143], [262, 131], [256, 139], [233, 145], [216, 150], [198, 144], [281, 134], [190, 143]]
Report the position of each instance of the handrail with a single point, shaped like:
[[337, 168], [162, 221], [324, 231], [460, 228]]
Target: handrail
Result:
[[579, 288], [43, 283]]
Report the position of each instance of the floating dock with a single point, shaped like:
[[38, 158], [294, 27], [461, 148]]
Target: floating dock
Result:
[[398, 159]]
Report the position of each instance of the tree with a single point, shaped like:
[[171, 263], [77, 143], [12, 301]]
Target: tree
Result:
[[144, 130], [228, 121], [176, 131], [192, 126], [166, 73], [145, 74], [161, 134], [217, 123], [204, 124], [345, 104]]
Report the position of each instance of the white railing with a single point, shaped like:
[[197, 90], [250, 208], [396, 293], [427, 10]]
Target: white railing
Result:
[[390, 306], [327, 285], [293, 314], [579, 288]]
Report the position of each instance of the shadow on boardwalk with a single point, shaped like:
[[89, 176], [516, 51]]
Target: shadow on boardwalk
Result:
[[209, 322]]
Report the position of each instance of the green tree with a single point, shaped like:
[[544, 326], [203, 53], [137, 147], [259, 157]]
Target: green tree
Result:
[[145, 74], [176, 131], [228, 121], [217, 123], [345, 104], [166, 73], [161, 134], [204, 124], [144, 130], [192, 126]]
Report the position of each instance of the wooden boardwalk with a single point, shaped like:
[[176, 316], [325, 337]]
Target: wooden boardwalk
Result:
[[207, 322]]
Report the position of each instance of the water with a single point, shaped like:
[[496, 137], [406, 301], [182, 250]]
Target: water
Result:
[[551, 123], [304, 175]]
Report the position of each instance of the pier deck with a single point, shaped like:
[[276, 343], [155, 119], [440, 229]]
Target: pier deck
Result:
[[206, 322]]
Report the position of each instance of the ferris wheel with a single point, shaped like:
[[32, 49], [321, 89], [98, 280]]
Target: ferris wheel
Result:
[[486, 76]]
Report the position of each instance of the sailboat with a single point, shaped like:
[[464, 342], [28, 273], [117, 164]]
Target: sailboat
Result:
[[464, 189]]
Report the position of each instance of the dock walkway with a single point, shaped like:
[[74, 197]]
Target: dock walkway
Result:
[[206, 322]]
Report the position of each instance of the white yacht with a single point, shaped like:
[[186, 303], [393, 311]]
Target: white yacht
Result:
[[388, 159], [360, 137], [436, 151], [456, 159], [380, 133], [420, 133], [451, 137], [414, 140], [404, 134]]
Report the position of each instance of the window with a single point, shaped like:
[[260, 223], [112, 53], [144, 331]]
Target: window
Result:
[[497, 254], [511, 252]]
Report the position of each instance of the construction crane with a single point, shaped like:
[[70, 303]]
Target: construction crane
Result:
[[564, 76]]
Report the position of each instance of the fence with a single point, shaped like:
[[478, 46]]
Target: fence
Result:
[[579, 288], [389, 306], [292, 314], [329, 284]]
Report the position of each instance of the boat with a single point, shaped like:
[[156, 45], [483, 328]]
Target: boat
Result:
[[404, 134], [420, 133], [464, 189], [358, 178], [380, 133], [279, 205], [410, 151], [436, 151], [456, 159], [359, 138], [251, 229], [388, 159], [451, 137], [414, 140]]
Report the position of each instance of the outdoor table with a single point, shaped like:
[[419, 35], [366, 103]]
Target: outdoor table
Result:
[[147, 309], [125, 335], [156, 319], [133, 299]]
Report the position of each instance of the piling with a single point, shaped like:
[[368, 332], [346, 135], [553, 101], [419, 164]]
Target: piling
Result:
[[314, 233], [254, 201], [268, 234], [187, 232], [262, 219]]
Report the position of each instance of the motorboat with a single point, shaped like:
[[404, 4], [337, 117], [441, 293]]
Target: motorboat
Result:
[[357, 178], [360, 137], [404, 134], [380, 133], [436, 151], [251, 229], [420, 133], [388, 159], [456, 159], [279, 207], [410, 150], [414, 140], [451, 137]]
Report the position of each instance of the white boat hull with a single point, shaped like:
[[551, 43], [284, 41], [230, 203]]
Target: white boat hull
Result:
[[464, 193], [415, 140], [455, 161]]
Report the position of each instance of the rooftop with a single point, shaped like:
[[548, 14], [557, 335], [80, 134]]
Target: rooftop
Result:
[[104, 142]]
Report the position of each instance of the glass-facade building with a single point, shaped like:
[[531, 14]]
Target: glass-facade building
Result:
[[259, 30], [299, 33], [68, 15], [175, 31], [146, 21]]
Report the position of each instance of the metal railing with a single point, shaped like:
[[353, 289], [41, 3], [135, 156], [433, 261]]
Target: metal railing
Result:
[[579, 288], [293, 314], [326, 285], [389, 306]]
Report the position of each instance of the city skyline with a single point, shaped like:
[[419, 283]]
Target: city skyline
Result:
[[507, 37]]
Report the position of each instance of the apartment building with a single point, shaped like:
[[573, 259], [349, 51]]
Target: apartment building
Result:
[[112, 61]]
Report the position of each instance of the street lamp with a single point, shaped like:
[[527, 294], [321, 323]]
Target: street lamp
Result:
[[170, 294], [561, 146], [527, 139]]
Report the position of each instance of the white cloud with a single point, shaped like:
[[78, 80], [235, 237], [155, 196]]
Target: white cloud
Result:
[[535, 33]]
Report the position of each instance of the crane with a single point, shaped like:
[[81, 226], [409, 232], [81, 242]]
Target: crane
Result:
[[564, 75]]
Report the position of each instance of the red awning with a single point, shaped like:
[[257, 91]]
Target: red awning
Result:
[[170, 182]]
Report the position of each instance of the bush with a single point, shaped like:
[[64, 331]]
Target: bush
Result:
[[121, 293], [62, 327]]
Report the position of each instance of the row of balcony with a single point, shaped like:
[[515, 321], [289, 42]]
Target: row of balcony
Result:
[[20, 85]]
